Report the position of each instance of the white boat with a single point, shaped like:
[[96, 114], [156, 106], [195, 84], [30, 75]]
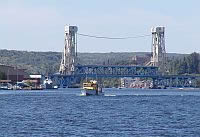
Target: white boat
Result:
[[48, 84], [5, 86], [92, 88]]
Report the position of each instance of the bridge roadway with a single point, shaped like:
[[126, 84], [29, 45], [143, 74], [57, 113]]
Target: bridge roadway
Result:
[[118, 71]]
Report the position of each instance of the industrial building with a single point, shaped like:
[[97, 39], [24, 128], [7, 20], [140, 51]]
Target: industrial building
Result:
[[13, 74], [34, 80]]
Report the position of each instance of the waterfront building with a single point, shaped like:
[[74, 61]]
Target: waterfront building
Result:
[[126, 82], [13, 74], [34, 79]]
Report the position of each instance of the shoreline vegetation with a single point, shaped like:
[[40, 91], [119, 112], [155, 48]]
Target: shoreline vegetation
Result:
[[47, 63]]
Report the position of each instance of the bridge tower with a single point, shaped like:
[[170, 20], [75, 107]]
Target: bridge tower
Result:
[[158, 58], [69, 57]]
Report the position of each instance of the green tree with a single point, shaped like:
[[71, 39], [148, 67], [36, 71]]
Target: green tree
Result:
[[183, 67], [194, 63], [186, 65], [2, 76]]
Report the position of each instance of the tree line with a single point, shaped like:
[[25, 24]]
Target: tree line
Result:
[[47, 63], [187, 65]]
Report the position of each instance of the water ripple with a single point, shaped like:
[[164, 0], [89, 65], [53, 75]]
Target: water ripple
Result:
[[63, 113]]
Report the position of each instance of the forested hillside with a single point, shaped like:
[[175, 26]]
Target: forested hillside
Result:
[[33, 62], [48, 62], [188, 65]]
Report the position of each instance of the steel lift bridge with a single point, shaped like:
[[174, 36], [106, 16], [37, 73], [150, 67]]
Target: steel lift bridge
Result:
[[71, 72]]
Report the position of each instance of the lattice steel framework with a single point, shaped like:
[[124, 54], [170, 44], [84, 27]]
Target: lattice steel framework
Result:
[[115, 71], [69, 57], [176, 80], [102, 71], [158, 58]]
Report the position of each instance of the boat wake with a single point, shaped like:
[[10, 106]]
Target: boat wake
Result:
[[110, 95], [106, 95], [82, 94]]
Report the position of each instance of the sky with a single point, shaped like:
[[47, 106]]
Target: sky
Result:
[[38, 25]]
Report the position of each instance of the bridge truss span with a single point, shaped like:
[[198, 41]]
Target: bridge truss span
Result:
[[104, 71], [115, 71]]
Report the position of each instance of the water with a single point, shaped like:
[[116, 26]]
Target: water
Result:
[[141, 113]]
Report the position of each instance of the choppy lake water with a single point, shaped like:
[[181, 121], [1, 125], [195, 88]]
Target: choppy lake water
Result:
[[126, 112]]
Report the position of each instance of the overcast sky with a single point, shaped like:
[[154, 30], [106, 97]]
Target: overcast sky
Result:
[[38, 25]]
